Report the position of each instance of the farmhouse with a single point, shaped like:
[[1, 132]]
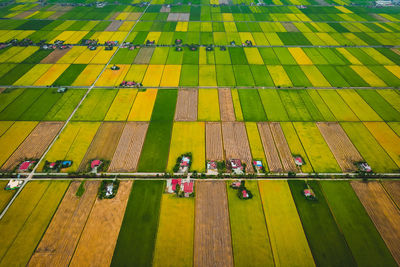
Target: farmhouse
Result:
[[26, 166], [13, 184], [95, 164], [258, 166], [212, 167], [185, 186], [236, 166]]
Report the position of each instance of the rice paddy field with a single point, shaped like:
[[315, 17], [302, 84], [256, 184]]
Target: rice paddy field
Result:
[[137, 225], [266, 80]]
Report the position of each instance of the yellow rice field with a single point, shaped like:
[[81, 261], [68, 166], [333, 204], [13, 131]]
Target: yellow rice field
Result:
[[253, 55], [121, 105], [279, 76], [136, 73], [188, 137], [113, 77], [387, 139], [88, 75], [353, 60], [72, 54], [394, 69], [22, 55], [175, 212], [72, 143], [288, 241], [299, 55], [236, 105], [86, 57], [76, 37], [315, 76], [4, 126], [153, 75], [208, 105], [153, 36], [368, 76], [51, 75], [143, 105], [13, 137], [102, 57], [171, 75], [182, 26], [32, 75]]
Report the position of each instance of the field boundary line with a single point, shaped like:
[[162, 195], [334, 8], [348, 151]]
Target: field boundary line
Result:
[[31, 174]]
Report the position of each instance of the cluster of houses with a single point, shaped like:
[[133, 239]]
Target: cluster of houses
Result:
[[243, 192], [181, 187]]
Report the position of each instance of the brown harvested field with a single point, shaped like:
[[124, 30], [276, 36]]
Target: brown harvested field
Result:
[[282, 147], [383, 213], [393, 188], [236, 144], [54, 56], [97, 243], [186, 105], [114, 16], [214, 148], [59, 242], [341, 146], [271, 153], [226, 105], [212, 238], [126, 156], [114, 26], [2, 89], [35, 144], [104, 143], [144, 55]]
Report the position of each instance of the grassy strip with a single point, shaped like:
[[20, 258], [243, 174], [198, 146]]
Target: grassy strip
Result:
[[273, 105], [361, 235], [251, 105], [380, 105], [155, 149], [65, 105], [294, 105], [42, 105], [175, 212], [137, 236], [69, 75], [15, 110], [164, 106], [250, 240], [327, 243], [96, 105]]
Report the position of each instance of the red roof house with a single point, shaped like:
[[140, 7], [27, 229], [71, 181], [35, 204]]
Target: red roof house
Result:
[[188, 187], [95, 163]]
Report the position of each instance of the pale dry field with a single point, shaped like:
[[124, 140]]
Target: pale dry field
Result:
[[61, 237], [226, 105], [393, 188], [214, 148], [341, 146], [127, 153], [212, 239], [104, 143], [270, 150], [383, 213], [98, 239], [186, 105], [236, 144], [144, 55], [35, 144], [282, 147]]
